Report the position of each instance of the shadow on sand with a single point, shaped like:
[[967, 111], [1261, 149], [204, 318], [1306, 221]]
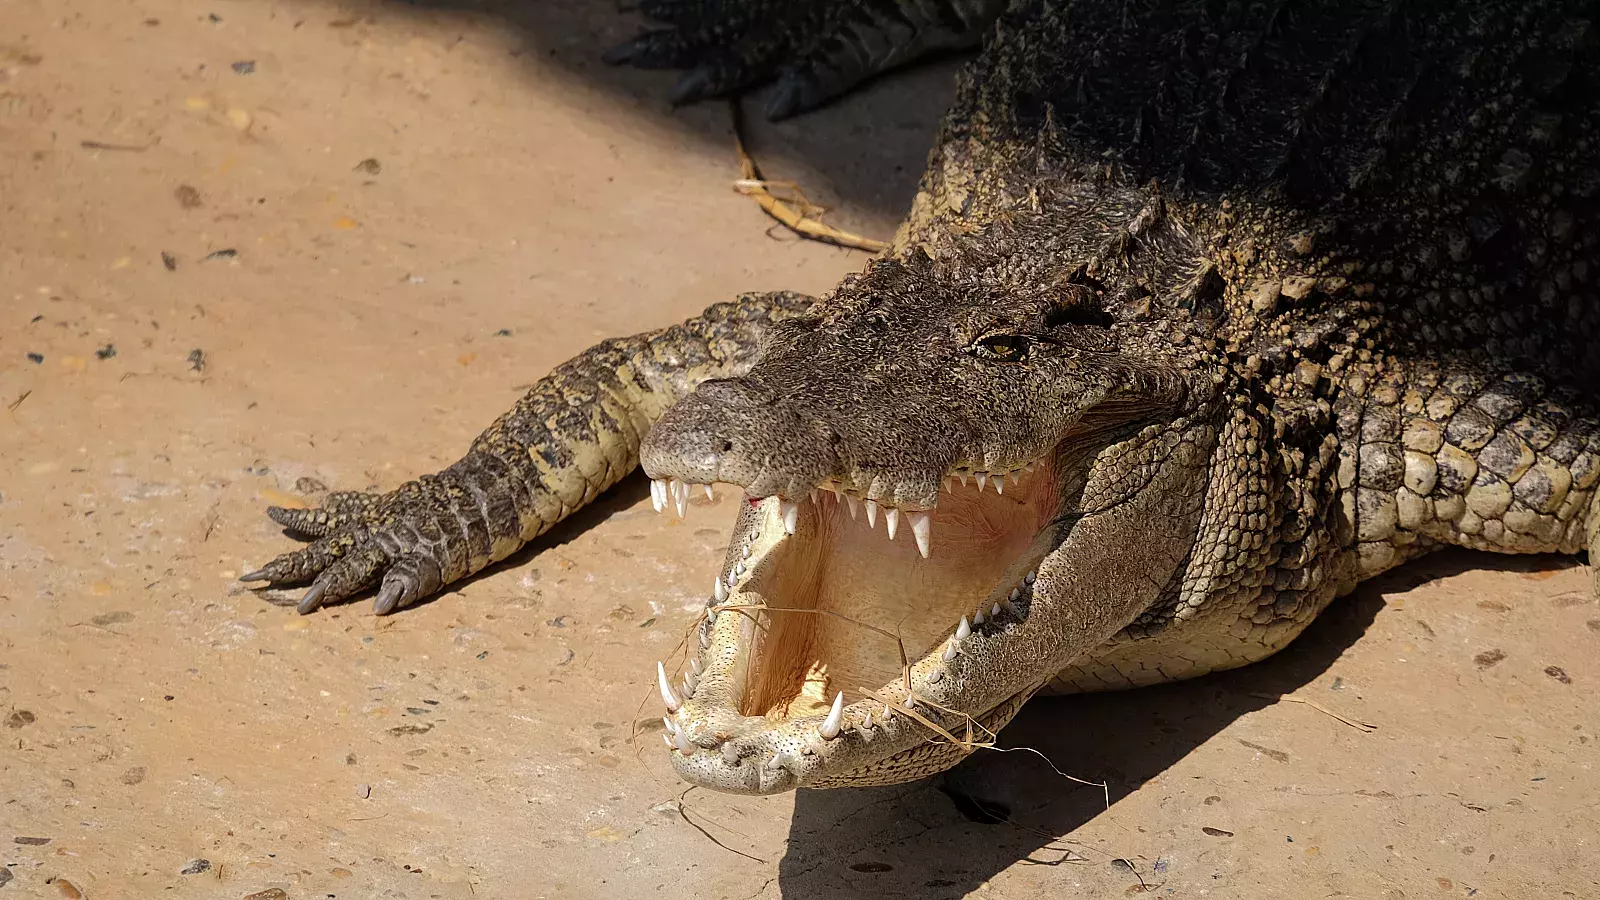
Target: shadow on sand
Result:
[[866, 150], [944, 836]]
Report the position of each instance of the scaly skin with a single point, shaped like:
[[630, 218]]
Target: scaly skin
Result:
[[573, 435], [1258, 302]]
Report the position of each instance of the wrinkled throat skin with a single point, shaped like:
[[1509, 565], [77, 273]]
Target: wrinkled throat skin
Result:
[[964, 471]]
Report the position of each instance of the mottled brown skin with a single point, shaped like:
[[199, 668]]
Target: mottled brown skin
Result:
[[572, 436], [1279, 297]]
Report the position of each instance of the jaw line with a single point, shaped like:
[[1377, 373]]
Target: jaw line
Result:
[[714, 745]]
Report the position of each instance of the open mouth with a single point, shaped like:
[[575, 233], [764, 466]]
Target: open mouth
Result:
[[837, 632]]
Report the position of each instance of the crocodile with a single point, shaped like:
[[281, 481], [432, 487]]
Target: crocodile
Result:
[[1203, 313]]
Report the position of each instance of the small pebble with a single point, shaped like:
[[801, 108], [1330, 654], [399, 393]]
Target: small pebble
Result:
[[106, 352], [133, 775], [225, 253], [170, 261], [1216, 832], [244, 66], [66, 888], [188, 196], [195, 867], [197, 360], [363, 791], [20, 718], [5, 876], [32, 841], [268, 894], [369, 166], [36, 358]]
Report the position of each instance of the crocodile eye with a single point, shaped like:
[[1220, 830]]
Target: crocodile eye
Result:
[[1002, 348]]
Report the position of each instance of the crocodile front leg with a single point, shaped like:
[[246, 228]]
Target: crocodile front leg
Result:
[[1440, 454], [573, 435]]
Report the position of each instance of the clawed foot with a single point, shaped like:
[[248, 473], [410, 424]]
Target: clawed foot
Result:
[[360, 540]]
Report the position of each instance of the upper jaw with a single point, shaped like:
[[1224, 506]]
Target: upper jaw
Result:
[[955, 685]]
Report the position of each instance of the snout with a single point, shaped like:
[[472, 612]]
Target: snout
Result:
[[738, 431]]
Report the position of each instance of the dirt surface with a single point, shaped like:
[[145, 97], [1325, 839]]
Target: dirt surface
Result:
[[252, 250]]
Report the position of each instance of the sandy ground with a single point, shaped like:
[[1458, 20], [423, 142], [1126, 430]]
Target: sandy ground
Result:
[[210, 300]]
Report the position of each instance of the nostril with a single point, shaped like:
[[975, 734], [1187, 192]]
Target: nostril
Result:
[[727, 446]]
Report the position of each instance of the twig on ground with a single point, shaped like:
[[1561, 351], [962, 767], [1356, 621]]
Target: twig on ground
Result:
[[1357, 724], [792, 208], [684, 812]]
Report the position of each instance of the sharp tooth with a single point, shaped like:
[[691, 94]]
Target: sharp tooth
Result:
[[694, 665], [891, 519], [963, 631], [999, 485], [872, 514], [854, 504], [813, 496], [922, 530], [1012, 477], [993, 612], [983, 480], [1028, 467], [977, 618], [691, 683], [829, 729], [709, 495], [672, 727], [949, 651], [658, 495], [866, 721], [720, 592], [963, 477], [1031, 577], [738, 568], [682, 742], [668, 739], [911, 701], [776, 762], [791, 515], [944, 484], [667, 696], [730, 754], [887, 712], [1015, 593], [733, 579], [705, 640], [680, 496]]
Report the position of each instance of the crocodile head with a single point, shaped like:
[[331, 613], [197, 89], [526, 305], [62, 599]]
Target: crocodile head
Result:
[[963, 471]]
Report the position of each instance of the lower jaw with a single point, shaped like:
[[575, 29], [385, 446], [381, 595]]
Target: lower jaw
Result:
[[727, 734]]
